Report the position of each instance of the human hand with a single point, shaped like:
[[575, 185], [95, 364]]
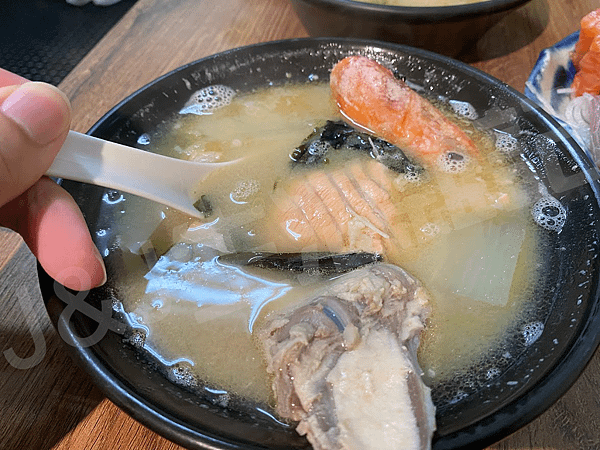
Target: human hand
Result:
[[34, 121]]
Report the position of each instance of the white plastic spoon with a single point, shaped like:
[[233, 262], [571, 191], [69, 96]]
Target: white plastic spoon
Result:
[[170, 181]]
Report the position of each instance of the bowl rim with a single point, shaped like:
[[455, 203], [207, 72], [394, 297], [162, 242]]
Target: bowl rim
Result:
[[416, 13], [485, 432]]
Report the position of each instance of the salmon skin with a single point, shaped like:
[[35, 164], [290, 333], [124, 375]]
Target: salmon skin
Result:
[[369, 96], [338, 135], [316, 263]]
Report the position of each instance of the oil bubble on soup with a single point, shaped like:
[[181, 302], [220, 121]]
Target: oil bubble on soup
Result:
[[462, 227]]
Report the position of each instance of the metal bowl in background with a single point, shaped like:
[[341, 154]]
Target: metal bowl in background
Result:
[[565, 303], [448, 30]]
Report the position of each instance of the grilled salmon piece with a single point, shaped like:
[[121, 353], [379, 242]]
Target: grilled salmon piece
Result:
[[346, 209], [370, 97]]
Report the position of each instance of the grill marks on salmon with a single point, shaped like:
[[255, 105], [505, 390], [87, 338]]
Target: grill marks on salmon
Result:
[[339, 210]]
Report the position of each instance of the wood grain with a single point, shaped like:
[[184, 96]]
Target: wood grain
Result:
[[138, 50], [510, 48], [52, 404], [40, 385]]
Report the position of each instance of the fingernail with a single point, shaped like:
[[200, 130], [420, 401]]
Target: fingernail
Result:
[[101, 260], [42, 111]]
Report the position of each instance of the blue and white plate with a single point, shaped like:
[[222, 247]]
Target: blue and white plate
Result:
[[549, 86]]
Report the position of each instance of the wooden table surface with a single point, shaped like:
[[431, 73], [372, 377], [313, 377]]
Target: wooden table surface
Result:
[[49, 403]]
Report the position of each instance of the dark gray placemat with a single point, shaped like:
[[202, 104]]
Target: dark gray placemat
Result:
[[43, 40]]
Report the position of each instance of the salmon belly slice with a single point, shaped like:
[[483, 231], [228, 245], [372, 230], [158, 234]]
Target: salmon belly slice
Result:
[[370, 97], [347, 209]]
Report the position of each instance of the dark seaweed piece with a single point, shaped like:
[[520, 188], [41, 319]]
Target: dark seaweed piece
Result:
[[336, 132], [336, 135], [312, 262], [204, 206]]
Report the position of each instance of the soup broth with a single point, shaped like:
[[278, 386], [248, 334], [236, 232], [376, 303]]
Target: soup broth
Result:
[[468, 237]]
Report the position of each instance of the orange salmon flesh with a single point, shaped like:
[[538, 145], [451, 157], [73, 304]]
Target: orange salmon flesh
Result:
[[370, 97]]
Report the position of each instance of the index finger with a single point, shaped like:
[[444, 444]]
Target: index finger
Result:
[[10, 79]]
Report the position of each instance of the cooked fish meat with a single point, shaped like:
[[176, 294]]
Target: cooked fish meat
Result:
[[372, 98], [345, 367], [343, 210]]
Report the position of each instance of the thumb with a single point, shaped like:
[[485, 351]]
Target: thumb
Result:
[[34, 122]]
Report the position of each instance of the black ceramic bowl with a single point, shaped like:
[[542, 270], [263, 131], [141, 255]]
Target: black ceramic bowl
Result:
[[565, 303], [448, 30]]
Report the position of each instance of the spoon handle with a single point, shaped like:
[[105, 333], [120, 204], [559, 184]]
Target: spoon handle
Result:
[[91, 160], [166, 180]]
